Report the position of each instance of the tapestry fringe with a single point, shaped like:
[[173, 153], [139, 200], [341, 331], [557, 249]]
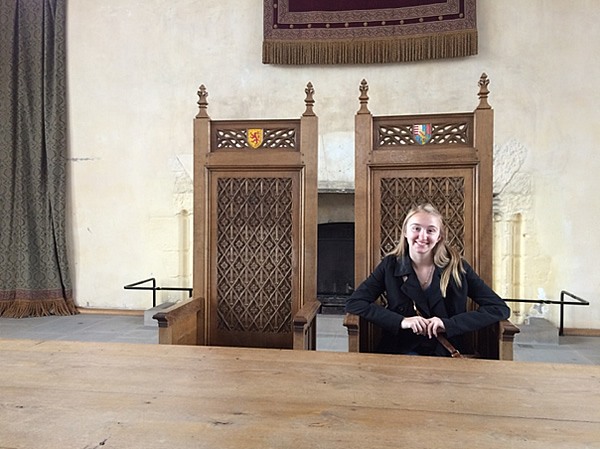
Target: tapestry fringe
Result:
[[23, 308], [372, 51]]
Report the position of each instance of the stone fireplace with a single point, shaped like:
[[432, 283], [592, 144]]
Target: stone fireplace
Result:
[[335, 258]]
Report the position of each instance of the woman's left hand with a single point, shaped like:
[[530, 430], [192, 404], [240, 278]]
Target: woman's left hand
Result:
[[434, 326]]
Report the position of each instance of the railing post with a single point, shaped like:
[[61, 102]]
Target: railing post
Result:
[[561, 329], [153, 292]]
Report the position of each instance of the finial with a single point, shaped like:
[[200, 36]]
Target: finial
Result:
[[363, 98], [483, 92], [202, 103], [309, 100]]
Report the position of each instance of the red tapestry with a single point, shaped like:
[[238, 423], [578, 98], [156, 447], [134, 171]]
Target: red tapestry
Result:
[[367, 31]]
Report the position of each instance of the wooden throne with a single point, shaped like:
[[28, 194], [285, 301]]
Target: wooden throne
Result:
[[443, 159], [255, 234]]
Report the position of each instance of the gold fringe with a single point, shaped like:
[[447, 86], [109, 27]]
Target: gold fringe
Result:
[[372, 51], [23, 308]]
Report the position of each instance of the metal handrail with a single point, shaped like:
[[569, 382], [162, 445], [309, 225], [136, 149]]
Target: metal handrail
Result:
[[578, 302], [154, 288]]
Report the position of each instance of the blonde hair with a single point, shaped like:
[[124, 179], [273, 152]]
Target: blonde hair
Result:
[[444, 256]]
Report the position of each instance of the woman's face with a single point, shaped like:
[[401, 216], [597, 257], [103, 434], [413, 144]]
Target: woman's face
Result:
[[423, 231]]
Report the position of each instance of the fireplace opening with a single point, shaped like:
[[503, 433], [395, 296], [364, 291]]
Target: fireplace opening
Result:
[[335, 265]]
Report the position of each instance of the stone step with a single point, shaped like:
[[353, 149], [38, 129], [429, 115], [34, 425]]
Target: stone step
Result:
[[535, 330]]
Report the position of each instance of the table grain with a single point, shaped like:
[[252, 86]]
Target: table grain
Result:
[[59, 394]]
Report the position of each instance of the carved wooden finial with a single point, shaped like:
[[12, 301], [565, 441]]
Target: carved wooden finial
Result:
[[483, 92], [309, 99], [202, 103], [363, 98]]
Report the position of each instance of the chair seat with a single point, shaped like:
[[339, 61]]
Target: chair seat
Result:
[[495, 342]]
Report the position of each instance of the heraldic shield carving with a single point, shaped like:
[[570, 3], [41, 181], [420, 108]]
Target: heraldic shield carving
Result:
[[422, 133], [255, 137]]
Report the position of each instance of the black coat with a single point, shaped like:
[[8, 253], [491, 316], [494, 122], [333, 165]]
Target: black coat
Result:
[[396, 278]]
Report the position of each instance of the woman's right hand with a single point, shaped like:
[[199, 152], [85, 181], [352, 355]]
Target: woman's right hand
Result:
[[417, 324]]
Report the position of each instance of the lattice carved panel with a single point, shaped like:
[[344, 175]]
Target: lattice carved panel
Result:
[[271, 138], [254, 254], [398, 195], [441, 134]]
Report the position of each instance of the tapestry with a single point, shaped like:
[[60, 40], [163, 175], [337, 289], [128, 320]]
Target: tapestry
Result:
[[367, 31], [34, 271]]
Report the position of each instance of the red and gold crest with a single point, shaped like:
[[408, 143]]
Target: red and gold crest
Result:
[[255, 137]]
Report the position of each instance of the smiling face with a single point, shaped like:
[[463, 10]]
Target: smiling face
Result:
[[423, 232]]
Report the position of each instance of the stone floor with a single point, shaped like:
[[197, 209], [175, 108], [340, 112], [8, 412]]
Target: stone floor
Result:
[[82, 327], [537, 342]]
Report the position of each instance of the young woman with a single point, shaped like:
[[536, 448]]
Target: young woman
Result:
[[426, 284]]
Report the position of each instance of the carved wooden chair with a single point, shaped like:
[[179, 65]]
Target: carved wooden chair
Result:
[[255, 234], [443, 159]]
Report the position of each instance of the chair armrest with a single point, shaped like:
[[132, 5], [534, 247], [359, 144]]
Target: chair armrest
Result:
[[352, 323], [305, 326], [508, 330], [180, 323], [507, 336]]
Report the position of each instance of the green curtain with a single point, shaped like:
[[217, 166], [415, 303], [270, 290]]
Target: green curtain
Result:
[[34, 272]]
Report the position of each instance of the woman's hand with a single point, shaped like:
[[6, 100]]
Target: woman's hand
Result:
[[423, 326], [435, 326], [417, 324]]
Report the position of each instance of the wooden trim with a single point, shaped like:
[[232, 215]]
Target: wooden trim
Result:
[[483, 143], [577, 332], [309, 125], [202, 127], [352, 324], [178, 324], [305, 328], [506, 341], [127, 312]]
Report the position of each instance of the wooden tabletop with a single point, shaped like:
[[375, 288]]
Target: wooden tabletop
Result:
[[113, 395]]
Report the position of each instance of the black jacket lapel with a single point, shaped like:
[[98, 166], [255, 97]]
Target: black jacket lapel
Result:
[[411, 287]]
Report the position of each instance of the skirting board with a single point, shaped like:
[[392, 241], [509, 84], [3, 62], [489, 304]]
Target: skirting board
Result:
[[129, 312], [575, 332]]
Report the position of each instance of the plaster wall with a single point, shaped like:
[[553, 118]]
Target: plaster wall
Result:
[[134, 67]]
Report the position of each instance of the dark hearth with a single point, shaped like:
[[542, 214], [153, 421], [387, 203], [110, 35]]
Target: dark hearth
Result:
[[335, 269]]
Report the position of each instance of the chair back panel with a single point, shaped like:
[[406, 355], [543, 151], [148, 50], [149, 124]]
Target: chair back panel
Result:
[[401, 161], [253, 280], [255, 226], [450, 190]]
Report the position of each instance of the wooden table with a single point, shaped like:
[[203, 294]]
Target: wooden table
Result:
[[111, 395]]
